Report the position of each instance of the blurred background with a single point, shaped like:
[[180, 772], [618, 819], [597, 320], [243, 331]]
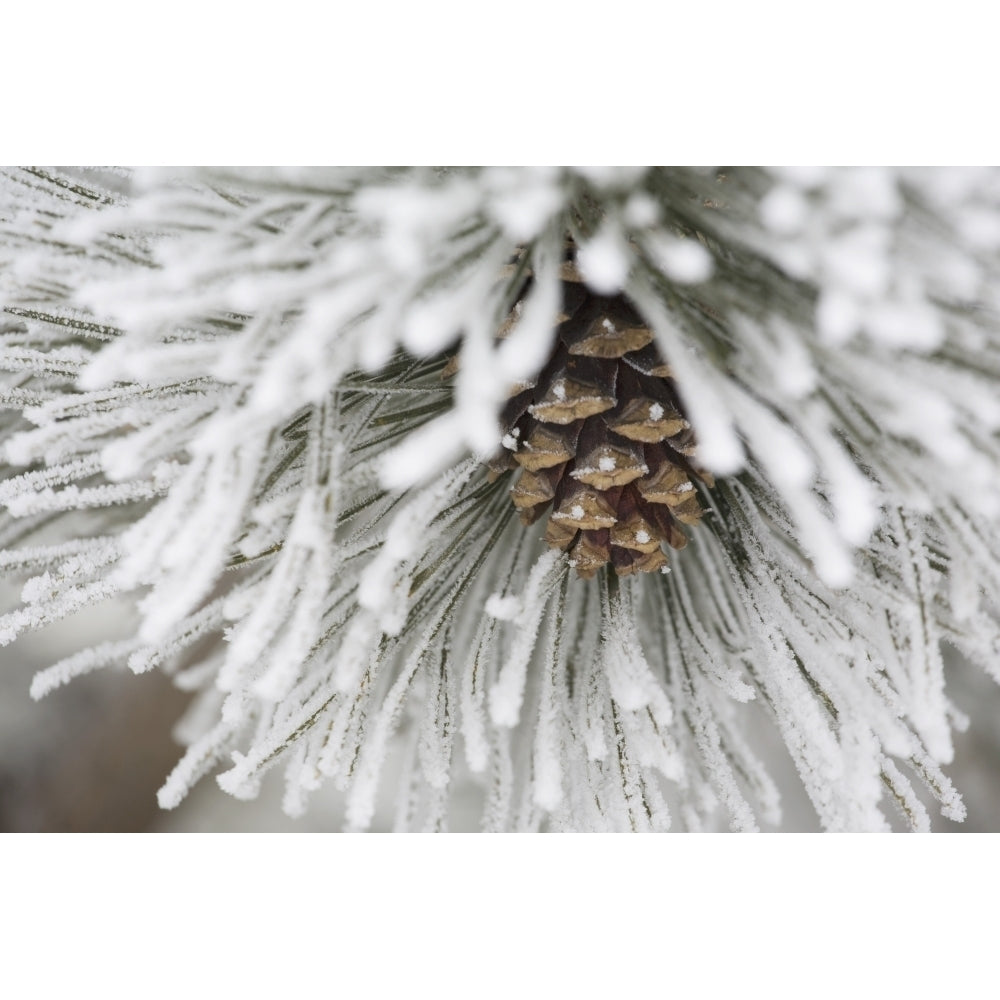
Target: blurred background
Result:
[[91, 755]]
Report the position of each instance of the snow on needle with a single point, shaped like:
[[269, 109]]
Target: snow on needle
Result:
[[428, 454]]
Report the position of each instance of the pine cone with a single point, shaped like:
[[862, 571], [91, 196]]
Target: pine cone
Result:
[[601, 437]]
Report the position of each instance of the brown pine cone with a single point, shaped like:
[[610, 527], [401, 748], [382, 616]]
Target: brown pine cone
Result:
[[602, 438]]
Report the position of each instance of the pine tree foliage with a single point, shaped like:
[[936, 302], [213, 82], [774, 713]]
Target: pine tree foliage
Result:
[[229, 394]]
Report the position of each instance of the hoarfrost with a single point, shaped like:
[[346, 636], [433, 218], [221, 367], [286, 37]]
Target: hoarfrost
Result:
[[235, 408], [503, 608], [685, 261], [604, 261]]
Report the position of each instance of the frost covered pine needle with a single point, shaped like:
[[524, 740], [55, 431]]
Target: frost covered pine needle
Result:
[[748, 417]]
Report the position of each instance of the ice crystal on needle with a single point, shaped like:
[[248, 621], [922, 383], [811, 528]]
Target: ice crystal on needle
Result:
[[261, 402]]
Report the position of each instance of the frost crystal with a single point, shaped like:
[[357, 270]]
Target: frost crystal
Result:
[[259, 402]]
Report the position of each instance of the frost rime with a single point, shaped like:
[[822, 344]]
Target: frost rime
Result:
[[233, 412]]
